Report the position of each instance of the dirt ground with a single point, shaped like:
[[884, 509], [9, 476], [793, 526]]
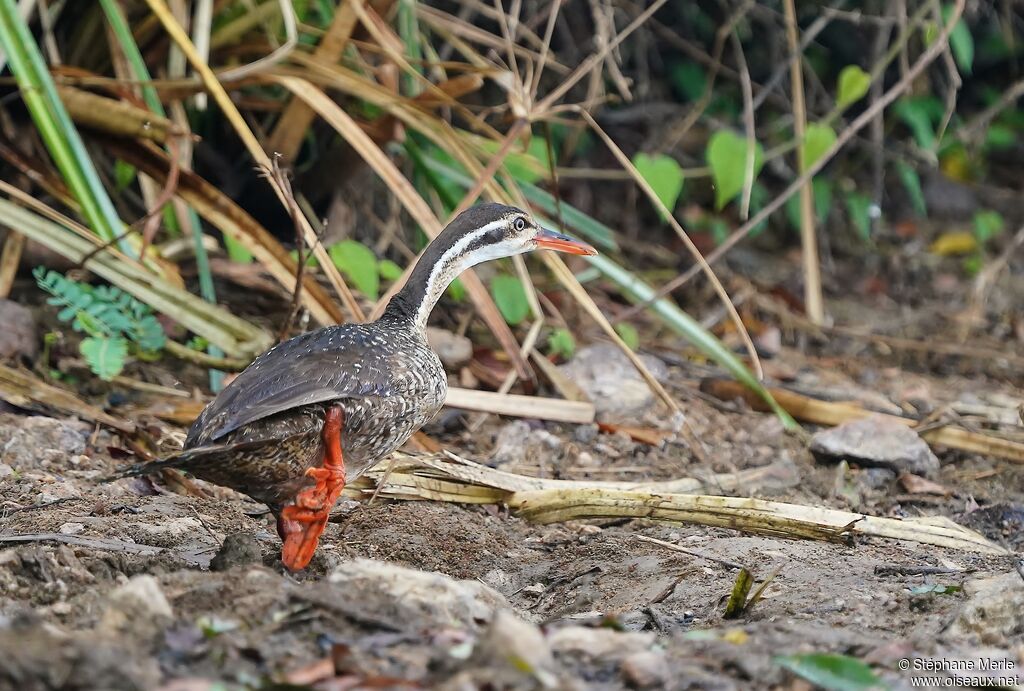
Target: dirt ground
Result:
[[126, 585]]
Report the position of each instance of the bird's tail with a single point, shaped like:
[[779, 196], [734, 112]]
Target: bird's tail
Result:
[[186, 460]]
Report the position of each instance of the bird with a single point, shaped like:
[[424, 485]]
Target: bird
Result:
[[322, 407]]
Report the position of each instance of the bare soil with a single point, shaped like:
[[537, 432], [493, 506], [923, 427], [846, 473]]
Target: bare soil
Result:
[[612, 611]]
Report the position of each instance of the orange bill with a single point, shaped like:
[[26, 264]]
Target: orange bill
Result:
[[550, 240]]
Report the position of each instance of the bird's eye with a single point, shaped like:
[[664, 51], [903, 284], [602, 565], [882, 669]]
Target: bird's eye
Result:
[[520, 223]]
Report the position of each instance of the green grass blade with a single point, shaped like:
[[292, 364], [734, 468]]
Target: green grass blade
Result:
[[140, 71], [594, 231], [675, 318], [58, 132], [687, 327]]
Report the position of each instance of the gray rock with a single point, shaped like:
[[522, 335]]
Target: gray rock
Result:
[[514, 653], [417, 599], [646, 669], [993, 609], [453, 350], [138, 607], [519, 443], [877, 441], [239, 549], [612, 382], [35, 441], [19, 338]]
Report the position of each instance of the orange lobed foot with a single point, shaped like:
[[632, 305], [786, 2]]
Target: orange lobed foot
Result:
[[304, 521]]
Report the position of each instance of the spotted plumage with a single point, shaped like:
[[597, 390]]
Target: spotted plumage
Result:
[[274, 432]]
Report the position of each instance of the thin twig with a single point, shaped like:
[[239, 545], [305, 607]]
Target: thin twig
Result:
[[927, 57], [808, 234]]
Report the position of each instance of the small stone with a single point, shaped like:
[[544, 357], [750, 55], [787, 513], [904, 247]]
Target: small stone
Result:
[[453, 350], [36, 441], [139, 606], [880, 442], [586, 434], [19, 339], [518, 443], [239, 549], [511, 649], [993, 607], [6, 470], [71, 528], [645, 670], [420, 600], [612, 382], [607, 644]]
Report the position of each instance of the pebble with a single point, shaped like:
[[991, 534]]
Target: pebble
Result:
[[880, 442], [612, 382], [453, 350], [512, 648], [993, 607], [19, 339], [238, 549], [36, 441], [139, 606], [646, 669], [421, 600], [71, 528]]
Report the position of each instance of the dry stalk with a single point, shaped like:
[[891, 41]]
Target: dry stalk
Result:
[[808, 235]]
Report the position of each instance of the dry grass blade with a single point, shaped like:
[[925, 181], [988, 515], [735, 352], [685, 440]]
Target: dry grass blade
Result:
[[236, 336], [832, 413], [23, 389], [555, 409], [697, 256], [547, 501], [215, 88], [297, 116], [234, 222]]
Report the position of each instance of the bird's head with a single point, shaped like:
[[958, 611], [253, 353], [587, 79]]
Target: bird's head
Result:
[[479, 234], [492, 231]]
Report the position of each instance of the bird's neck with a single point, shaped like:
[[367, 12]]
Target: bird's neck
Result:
[[436, 268]]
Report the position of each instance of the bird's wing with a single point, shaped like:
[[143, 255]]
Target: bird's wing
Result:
[[330, 364]]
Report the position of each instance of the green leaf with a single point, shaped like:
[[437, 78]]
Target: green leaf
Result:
[[529, 166], [237, 252], [817, 140], [727, 156], [858, 206], [389, 270], [124, 175], [457, 290], [960, 40], [987, 225], [510, 298], [912, 183], [853, 84], [821, 189], [627, 332], [999, 136], [358, 262], [832, 672], [105, 356], [935, 589], [689, 79], [561, 343], [915, 114], [663, 174]]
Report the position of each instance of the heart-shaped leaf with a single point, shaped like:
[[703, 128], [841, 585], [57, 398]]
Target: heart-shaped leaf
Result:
[[727, 156], [663, 174], [853, 84], [817, 140], [510, 298], [832, 672], [358, 262]]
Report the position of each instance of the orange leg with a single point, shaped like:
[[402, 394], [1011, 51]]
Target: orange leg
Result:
[[302, 522]]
